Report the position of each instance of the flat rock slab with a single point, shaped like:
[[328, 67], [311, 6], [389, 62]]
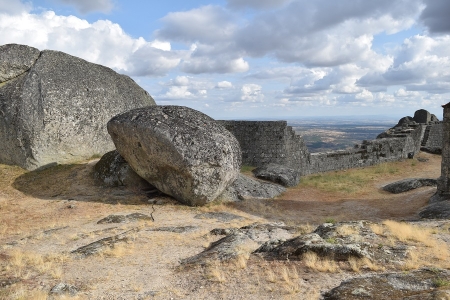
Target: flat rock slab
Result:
[[409, 184], [181, 151], [339, 242], [246, 188], [226, 248], [179, 229], [416, 285], [103, 244], [241, 241], [219, 216], [278, 174], [437, 210], [134, 217]]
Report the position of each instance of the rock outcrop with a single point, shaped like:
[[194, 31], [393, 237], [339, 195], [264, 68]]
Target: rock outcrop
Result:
[[409, 184], [423, 284], [54, 107], [246, 188], [278, 174], [181, 151], [113, 170]]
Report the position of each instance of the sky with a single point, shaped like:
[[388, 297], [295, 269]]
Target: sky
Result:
[[256, 59]]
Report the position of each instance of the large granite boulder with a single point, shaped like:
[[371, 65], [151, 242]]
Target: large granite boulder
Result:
[[181, 151], [54, 107]]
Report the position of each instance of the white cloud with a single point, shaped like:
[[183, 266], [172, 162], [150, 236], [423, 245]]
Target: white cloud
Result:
[[87, 6], [207, 24], [224, 85], [252, 93], [401, 93], [101, 42], [422, 64], [257, 4], [205, 59]]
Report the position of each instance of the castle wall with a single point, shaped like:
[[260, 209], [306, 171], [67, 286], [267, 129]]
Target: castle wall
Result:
[[264, 142], [366, 154], [435, 136]]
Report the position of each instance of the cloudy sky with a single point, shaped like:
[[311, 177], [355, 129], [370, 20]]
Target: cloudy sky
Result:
[[245, 59]]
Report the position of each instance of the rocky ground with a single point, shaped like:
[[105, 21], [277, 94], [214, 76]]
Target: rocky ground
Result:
[[64, 236]]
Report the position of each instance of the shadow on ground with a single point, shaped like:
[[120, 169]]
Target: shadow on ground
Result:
[[74, 182]]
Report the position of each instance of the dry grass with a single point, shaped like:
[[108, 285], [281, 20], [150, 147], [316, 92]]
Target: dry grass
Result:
[[23, 264], [356, 264], [314, 262], [352, 181], [215, 273], [346, 230], [20, 292]]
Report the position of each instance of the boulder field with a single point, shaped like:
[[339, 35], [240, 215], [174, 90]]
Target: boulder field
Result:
[[181, 151], [54, 107]]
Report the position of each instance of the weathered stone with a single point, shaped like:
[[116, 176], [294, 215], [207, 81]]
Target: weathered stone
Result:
[[296, 247], [179, 229], [181, 151], [64, 288], [113, 170], [125, 218], [409, 184], [56, 111], [437, 210], [226, 248], [244, 188], [104, 244], [220, 216], [422, 116], [434, 118], [415, 285], [405, 121], [278, 174], [16, 60]]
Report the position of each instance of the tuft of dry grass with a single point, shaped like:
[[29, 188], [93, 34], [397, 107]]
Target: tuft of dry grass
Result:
[[314, 262], [357, 263], [406, 232], [25, 264], [215, 273], [377, 229], [345, 230]]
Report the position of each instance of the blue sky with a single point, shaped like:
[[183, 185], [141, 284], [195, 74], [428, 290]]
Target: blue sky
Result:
[[246, 59]]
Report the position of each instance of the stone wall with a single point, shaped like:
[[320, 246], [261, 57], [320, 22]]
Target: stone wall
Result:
[[433, 136], [366, 154], [264, 142]]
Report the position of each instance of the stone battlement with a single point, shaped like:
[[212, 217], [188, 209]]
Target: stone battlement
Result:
[[264, 142]]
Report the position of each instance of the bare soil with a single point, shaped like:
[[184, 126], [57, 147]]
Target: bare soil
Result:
[[44, 215]]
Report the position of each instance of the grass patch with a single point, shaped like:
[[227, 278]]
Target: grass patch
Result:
[[247, 170], [349, 181]]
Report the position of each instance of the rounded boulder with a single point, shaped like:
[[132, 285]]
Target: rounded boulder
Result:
[[181, 151]]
